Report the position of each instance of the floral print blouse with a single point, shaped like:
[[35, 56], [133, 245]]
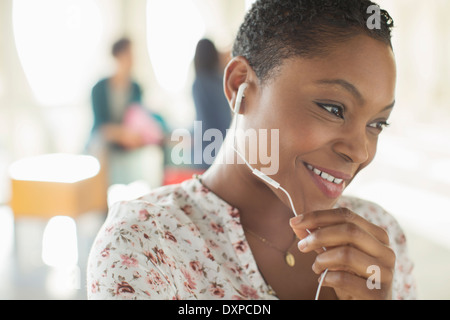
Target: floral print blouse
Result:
[[184, 242]]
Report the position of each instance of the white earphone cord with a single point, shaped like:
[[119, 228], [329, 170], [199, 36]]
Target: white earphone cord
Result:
[[274, 184]]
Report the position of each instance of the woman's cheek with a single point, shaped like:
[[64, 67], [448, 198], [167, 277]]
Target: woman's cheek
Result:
[[307, 138]]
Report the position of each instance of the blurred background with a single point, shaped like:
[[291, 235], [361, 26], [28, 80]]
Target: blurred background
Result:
[[59, 171]]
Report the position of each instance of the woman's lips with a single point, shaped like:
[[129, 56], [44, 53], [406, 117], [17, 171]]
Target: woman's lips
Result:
[[331, 183]]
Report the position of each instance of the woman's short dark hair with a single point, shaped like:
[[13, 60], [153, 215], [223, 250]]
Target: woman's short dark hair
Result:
[[120, 46], [206, 57], [274, 30]]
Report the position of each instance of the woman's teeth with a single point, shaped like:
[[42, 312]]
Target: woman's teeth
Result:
[[324, 175]]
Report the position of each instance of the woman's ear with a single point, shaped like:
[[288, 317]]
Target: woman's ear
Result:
[[237, 72]]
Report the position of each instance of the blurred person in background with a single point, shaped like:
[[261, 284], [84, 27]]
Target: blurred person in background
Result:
[[122, 126], [211, 105]]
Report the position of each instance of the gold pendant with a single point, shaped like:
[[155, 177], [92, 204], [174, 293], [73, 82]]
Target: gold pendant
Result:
[[290, 260]]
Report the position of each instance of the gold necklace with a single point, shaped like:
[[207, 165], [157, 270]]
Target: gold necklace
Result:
[[288, 257]]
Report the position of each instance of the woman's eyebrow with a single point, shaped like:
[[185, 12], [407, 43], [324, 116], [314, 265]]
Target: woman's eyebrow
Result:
[[346, 85], [389, 106], [352, 89]]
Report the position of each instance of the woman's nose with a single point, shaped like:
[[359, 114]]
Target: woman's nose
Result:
[[354, 145]]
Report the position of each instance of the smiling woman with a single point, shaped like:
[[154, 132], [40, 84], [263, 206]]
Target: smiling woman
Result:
[[315, 72]]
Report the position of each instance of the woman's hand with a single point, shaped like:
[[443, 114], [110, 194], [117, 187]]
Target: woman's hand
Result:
[[357, 252], [130, 139], [123, 136]]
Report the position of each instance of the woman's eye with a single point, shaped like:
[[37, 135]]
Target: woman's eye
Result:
[[379, 125], [338, 111]]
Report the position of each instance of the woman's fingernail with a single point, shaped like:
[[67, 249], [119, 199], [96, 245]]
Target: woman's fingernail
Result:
[[303, 244], [297, 220]]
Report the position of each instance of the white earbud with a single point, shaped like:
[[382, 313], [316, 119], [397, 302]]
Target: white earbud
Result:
[[240, 96], [256, 172]]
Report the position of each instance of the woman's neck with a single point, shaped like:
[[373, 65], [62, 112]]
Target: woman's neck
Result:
[[120, 79]]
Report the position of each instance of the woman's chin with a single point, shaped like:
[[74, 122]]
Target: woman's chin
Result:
[[311, 206]]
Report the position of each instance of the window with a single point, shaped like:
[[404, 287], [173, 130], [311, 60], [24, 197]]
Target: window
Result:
[[56, 41], [173, 30]]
